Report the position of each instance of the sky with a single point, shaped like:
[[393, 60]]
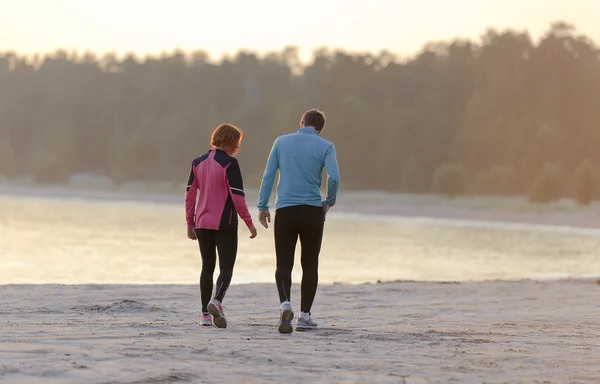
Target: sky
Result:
[[223, 27]]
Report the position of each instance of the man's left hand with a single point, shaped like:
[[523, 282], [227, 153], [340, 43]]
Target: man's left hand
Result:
[[325, 209]]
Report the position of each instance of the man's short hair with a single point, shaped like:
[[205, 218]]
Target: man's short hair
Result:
[[314, 118]]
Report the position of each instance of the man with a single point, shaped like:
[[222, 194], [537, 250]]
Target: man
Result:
[[300, 158]]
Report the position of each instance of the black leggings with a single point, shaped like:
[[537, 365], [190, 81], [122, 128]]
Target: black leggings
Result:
[[306, 222], [226, 242]]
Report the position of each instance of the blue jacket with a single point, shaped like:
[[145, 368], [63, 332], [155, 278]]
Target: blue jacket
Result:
[[300, 158]]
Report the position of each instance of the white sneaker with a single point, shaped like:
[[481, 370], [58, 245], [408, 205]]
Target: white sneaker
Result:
[[306, 323], [286, 314], [205, 320], [216, 309]]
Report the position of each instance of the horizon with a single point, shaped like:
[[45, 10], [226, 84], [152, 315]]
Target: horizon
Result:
[[88, 26]]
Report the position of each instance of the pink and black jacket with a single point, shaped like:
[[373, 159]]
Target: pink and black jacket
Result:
[[218, 178]]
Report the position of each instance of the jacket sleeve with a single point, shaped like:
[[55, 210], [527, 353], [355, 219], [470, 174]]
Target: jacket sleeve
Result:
[[190, 199], [266, 185], [236, 187], [333, 175]]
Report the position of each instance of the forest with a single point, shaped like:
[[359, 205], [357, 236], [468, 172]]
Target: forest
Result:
[[503, 115]]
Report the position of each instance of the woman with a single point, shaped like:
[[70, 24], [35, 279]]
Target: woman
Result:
[[213, 219]]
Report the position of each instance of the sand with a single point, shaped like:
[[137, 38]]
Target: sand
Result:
[[402, 332]]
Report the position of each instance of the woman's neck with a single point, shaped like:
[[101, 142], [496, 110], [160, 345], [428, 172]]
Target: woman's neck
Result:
[[226, 150]]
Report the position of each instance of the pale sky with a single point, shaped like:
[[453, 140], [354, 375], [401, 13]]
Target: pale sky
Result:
[[224, 26]]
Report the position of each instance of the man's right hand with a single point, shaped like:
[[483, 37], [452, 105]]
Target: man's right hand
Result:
[[264, 217], [325, 209]]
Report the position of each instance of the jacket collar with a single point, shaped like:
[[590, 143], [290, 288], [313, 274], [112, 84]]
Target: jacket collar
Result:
[[308, 130]]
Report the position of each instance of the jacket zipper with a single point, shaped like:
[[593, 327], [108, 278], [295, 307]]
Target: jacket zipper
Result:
[[230, 215]]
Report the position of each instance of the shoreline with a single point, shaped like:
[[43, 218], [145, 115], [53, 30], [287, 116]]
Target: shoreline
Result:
[[595, 279], [481, 209]]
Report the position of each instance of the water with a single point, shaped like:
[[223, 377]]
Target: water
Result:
[[54, 240]]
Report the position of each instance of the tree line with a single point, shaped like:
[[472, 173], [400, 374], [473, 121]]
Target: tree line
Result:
[[502, 115]]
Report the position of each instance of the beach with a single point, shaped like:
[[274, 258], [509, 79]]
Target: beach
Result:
[[398, 332], [101, 287]]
